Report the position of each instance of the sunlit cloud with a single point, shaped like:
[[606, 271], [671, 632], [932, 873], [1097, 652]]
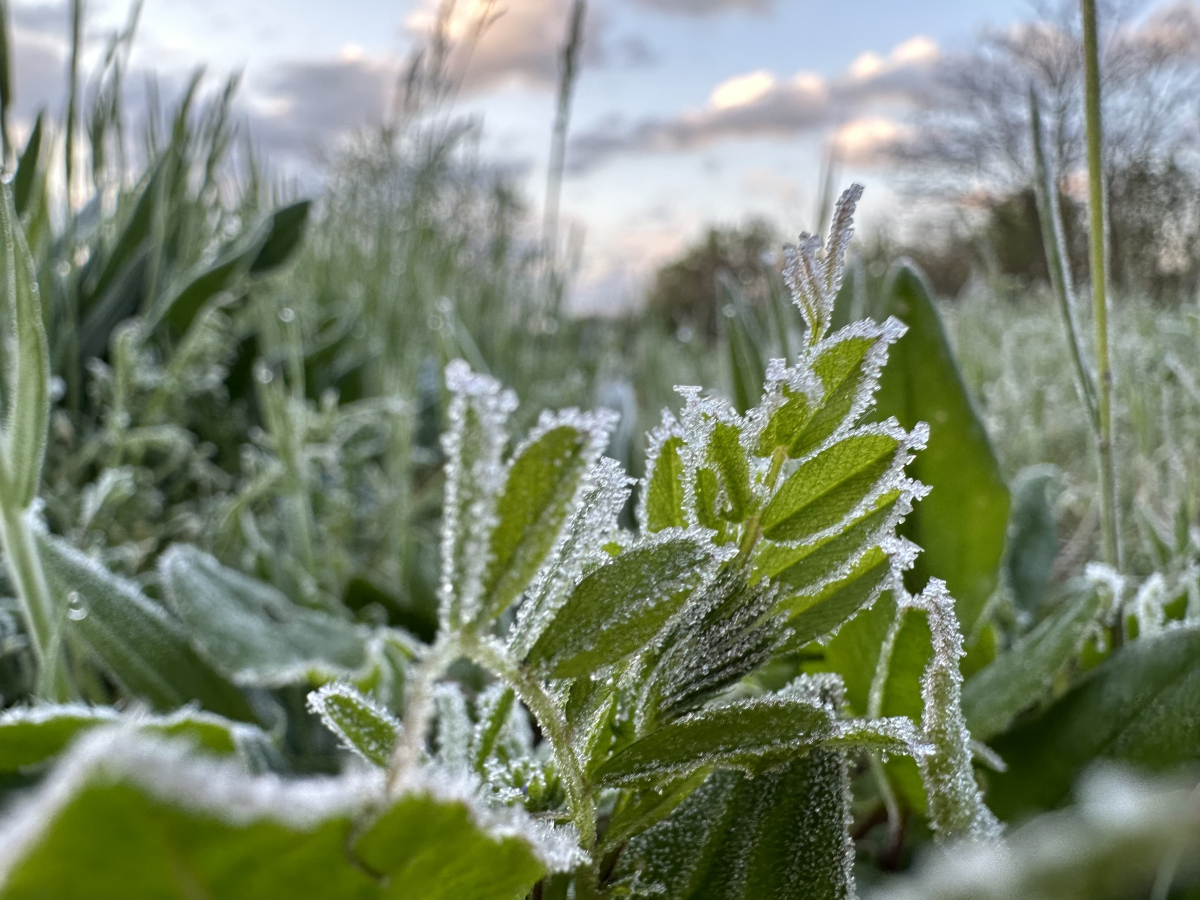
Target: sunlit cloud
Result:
[[742, 90], [758, 104]]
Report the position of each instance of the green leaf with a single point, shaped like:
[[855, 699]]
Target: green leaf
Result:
[[1023, 676], [727, 457], [251, 632], [284, 232], [853, 654], [811, 616], [661, 503], [618, 607], [361, 726], [27, 380], [724, 633], [1138, 707], [29, 736], [639, 810], [479, 409], [140, 818], [495, 708], [961, 524], [27, 167], [782, 833], [751, 735], [1033, 537], [811, 565], [825, 489], [139, 643], [544, 484]]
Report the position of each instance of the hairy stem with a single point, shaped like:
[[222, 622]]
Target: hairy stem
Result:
[[418, 708], [1108, 477], [553, 724]]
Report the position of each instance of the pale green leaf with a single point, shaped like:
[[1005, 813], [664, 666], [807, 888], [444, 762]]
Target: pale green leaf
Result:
[[751, 735], [781, 833], [138, 642], [473, 444], [251, 632], [33, 735], [361, 726]]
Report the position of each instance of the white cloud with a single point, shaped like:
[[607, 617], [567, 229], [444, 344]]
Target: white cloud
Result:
[[759, 105], [741, 90]]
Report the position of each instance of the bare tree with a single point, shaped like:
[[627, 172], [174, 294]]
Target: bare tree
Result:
[[973, 128]]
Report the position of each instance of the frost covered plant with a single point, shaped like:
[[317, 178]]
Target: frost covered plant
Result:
[[635, 653], [683, 711]]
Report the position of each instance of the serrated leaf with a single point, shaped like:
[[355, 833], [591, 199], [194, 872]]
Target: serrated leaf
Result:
[[782, 833], [361, 726], [473, 444], [811, 616], [542, 489], [138, 642], [251, 632], [724, 633], [30, 736], [847, 365], [139, 818], [618, 607], [1022, 677], [661, 503], [586, 541], [27, 380], [811, 565], [1138, 707], [752, 735], [826, 488], [961, 525]]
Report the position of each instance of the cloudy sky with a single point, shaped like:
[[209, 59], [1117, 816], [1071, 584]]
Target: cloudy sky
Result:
[[687, 111]]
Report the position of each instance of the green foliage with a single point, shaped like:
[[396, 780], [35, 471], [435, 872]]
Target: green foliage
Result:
[[185, 824], [1135, 708]]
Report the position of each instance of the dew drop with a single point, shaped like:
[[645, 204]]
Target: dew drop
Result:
[[76, 610], [287, 314], [263, 373]]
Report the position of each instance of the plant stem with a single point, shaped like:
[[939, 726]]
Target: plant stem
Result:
[[29, 578], [553, 724], [1045, 188], [418, 707], [1108, 477]]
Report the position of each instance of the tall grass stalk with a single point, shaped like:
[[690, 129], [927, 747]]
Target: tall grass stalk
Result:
[[1045, 188], [1108, 475], [567, 73]]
